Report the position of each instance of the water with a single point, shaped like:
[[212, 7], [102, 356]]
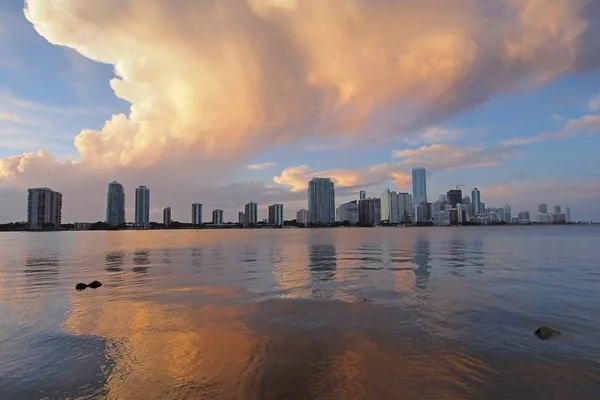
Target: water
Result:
[[397, 313]]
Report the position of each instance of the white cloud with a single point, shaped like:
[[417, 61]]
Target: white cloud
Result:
[[594, 104], [435, 135], [584, 126], [261, 166]]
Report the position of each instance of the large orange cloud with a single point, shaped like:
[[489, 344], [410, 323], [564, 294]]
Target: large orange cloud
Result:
[[231, 77]]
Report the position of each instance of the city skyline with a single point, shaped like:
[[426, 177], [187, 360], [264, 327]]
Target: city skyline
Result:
[[517, 117]]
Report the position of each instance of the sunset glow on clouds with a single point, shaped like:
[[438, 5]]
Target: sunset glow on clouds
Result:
[[220, 94]]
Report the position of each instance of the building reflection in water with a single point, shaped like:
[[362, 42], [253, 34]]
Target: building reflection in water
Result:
[[114, 261], [196, 258], [322, 268], [166, 256], [41, 271], [422, 258], [141, 259]]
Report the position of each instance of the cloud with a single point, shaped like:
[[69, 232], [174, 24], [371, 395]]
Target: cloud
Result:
[[224, 86], [264, 165], [594, 104], [436, 135], [449, 158], [583, 126]]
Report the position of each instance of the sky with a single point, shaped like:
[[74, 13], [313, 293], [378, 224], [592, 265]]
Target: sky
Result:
[[224, 102]]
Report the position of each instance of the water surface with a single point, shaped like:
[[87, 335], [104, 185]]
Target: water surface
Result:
[[382, 313]]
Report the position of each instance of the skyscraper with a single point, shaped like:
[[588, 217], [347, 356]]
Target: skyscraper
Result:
[[196, 214], [476, 200], [241, 218], [419, 187], [567, 214], [142, 206], [405, 204], [115, 204], [251, 213], [543, 208], [302, 217], [167, 217], [557, 209], [524, 215], [369, 211], [276, 214], [387, 213], [454, 197], [321, 201], [507, 214], [362, 195], [44, 207], [217, 217]]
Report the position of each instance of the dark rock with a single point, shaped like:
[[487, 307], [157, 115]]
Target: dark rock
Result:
[[95, 285], [543, 332], [80, 286]]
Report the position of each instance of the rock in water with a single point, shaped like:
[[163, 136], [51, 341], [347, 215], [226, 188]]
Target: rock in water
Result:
[[543, 332], [80, 286], [95, 285]]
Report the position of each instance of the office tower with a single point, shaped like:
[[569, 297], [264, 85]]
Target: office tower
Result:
[[482, 209], [302, 217], [466, 200], [363, 195], [557, 209], [454, 197], [349, 212], [241, 218], [419, 186], [115, 204], [196, 214], [369, 211], [507, 214], [217, 217], [142, 206], [44, 208], [543, 208], [276, 214], [321, 201], [387, 214], [524, 215], [167, 217], [405, 205], [251, 214], [568, 215], [476, 201]]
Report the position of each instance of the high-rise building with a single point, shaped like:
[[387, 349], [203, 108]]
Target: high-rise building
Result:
[[387, 212], [217, 217], [196, 214], [507, 214], [142, 206], [276, 214], [115, 204], [568, 214], [419, 186], [362, 195], [251, 214], [349, 212], [557, 209], [454, 197], [44, 208], [302, 217], [476, 202], [405, 206], [524, 215], [167, 217], [241, 218], [543, 208], [369, 211], [321, 201]]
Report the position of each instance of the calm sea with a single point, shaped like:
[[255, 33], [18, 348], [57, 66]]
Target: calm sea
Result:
[[382, 313]]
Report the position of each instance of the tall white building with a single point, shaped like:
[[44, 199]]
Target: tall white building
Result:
[[507, 214], [321, 201], [419, 186], [476, 202], [167, 217], [115, 204], [302, 217], [197, 214], [276, 214], [142, 206], [44, 206], [217, 217], [568, 214], [349, 212], [405, 207], [251, 213], [388, 212]]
